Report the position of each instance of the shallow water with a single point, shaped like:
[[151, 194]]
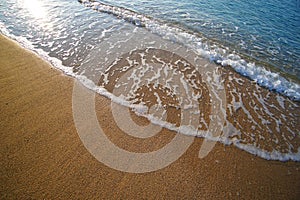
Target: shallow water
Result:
[[66, 30]]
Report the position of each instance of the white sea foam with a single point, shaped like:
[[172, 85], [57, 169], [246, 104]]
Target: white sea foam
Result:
[[41, 53], [259, 74]]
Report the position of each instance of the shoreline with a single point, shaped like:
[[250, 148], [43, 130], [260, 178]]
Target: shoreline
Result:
[[43, 157]]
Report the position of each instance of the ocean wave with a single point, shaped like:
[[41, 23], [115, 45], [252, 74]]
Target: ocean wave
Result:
[[211, 50]]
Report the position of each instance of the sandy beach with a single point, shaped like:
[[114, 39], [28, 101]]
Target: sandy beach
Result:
[[42, 156]]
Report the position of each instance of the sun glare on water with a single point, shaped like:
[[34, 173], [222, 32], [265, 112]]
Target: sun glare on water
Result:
[[38, 12], [35, 7]]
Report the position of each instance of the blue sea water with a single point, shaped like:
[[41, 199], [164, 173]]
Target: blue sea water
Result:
[[254, 37]]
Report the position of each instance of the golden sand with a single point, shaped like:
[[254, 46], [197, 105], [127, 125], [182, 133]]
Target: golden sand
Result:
[[42, 156]]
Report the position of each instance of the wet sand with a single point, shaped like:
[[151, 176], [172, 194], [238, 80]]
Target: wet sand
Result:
[[42, 156]]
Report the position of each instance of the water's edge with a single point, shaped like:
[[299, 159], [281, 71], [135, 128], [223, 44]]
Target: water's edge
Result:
[[220, 55]]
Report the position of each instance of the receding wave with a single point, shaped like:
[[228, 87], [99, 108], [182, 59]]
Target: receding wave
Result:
[[214, 52]]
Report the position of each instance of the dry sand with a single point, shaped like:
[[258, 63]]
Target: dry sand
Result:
[[42, 156]]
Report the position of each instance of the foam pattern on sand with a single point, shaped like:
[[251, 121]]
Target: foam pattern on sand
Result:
[[164, 75]]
